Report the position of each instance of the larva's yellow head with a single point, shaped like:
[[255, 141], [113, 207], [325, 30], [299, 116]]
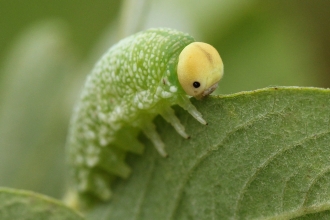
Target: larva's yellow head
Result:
[[200, 68]]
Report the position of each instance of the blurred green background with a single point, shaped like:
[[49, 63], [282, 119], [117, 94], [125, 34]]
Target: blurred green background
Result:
[[48, 47]]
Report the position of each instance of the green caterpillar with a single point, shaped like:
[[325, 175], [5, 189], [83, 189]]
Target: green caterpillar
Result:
[[138, 78]]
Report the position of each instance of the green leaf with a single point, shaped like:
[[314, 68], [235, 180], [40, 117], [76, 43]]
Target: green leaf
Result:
[[263, 155], [25, 205]]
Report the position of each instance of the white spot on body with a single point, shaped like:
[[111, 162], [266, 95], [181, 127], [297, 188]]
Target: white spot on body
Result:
[[92, 160], [103, 142], [173, 89], [166, 95]]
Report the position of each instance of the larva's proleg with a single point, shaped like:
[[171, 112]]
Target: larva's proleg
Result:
[[138, 78], [126, 139]]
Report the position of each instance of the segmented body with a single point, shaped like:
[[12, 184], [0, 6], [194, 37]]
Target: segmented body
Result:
[[132, 83]]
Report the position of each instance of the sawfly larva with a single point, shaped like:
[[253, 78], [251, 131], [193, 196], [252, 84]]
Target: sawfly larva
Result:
[[138, 78]]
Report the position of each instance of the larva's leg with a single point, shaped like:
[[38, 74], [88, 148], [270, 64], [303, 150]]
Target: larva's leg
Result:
[[185, 103], [126, 139], [169, 115], [149, 129], [95, 183], [112, 161], [100, 187]]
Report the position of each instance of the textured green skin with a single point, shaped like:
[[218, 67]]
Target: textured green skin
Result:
[[128, 87]]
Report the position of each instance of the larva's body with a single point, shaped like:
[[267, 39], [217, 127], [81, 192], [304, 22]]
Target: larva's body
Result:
[[133, 82]]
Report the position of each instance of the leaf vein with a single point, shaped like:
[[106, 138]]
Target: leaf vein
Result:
[[208, 153], [268, 161], [313, 182]]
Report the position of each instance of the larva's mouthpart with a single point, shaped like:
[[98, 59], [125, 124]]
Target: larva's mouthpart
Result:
[[199, 70], [210, 90]]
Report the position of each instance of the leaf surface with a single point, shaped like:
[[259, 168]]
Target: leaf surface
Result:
[[263, 155], [25, 205]]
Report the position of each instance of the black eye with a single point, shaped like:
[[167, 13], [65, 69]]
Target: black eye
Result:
[[196, 84]]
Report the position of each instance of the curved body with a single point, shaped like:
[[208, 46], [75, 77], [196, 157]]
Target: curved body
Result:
[[132, 83]]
